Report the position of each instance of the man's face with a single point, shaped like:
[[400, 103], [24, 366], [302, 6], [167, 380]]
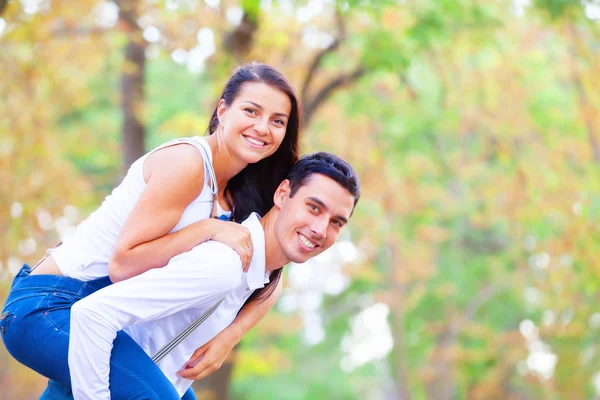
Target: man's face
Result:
[[310, 222]]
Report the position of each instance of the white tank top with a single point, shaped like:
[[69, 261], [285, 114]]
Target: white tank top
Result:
[[85, 254]]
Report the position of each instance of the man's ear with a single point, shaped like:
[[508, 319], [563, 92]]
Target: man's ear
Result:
[[221, 110], [282, 193]]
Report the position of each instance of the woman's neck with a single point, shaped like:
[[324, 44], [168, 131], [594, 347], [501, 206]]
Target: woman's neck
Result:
[[225, 164]]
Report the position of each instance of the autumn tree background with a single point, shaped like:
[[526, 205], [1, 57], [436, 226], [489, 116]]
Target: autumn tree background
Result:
[[470, 268]]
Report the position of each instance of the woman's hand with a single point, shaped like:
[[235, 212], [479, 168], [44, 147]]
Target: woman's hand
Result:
[[235, 236]]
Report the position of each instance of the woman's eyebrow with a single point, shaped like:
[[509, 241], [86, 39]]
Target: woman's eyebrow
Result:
[[262, 108]]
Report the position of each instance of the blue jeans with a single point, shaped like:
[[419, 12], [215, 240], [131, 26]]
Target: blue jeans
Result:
[[35, 323], [56, 391]]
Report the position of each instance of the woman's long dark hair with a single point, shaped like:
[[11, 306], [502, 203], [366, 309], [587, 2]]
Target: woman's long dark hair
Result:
[[253, 188]]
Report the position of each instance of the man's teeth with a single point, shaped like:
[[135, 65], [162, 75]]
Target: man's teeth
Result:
[[306, 242], [254, 141]]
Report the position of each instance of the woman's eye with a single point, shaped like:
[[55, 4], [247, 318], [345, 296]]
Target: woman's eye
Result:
[[250, 111], [279, 122]]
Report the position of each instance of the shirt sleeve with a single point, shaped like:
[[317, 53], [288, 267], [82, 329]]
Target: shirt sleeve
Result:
[[200, 276]]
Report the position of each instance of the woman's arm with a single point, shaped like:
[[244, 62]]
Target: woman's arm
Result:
[[174, 178], [209, 358]]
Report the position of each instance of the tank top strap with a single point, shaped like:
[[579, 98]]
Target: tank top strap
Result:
[[208, 167], [217, 211]]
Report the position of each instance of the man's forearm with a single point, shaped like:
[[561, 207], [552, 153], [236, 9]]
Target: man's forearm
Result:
[[251, 314]]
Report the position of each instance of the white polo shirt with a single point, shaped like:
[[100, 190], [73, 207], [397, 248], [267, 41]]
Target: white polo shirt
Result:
[[155, 306]]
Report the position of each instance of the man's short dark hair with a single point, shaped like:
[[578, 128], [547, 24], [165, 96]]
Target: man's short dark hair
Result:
[[326, 164]]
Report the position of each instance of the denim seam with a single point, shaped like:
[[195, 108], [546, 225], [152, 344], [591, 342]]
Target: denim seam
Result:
[[42, 295], [51, 324], [41, 289], [8, 319]]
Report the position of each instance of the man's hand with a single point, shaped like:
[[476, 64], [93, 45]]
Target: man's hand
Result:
[[209, 358]]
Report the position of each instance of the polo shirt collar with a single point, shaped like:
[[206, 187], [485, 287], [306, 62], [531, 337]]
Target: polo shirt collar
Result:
[[255, 277]]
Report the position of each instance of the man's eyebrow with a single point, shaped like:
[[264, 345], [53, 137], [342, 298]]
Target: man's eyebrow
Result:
[[324, 207], [262, 108]]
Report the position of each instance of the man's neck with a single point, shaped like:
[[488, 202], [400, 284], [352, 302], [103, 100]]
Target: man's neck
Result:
[[274, 256]]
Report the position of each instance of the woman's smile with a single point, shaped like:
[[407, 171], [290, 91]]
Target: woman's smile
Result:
[[254, 141]]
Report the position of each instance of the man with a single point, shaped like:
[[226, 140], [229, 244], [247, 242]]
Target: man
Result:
[[310, 208]]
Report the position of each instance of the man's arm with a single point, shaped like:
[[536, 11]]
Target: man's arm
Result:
[[215, 351], [200, 276]]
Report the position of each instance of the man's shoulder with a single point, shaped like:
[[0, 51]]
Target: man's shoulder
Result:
[[213, 255]]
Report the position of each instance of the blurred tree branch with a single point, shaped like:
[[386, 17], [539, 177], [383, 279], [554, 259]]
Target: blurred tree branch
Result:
[[341, 35], [326, 91], [586, 107], [3, 4], [67, 32], [313, 103]]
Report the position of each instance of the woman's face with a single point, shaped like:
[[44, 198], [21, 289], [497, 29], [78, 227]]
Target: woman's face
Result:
[[254, 125]]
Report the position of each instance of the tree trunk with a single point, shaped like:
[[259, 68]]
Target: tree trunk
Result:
[[586, 107], [132, 97], [442, 386], [240, 41], [397, 322]]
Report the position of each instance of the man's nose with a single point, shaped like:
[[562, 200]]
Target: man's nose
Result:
[[319, 228]]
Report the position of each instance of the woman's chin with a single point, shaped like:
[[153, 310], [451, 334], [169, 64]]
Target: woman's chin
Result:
[[252, 157]]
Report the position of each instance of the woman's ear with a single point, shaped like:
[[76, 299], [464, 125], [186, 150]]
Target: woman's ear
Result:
[[221, 110], [282, 193]]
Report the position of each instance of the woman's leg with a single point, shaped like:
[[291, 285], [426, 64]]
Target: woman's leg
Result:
[[189, 395], [56, 391], [133, 374], [33, 340], [35, 323]]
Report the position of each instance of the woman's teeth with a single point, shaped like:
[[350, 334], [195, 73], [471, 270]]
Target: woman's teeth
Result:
[[254, 141]]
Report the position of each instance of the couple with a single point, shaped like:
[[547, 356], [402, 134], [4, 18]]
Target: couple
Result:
[[168, 261]]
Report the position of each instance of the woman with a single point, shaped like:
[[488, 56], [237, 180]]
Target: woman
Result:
[[161, 209]]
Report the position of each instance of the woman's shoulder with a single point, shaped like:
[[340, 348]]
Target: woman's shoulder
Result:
[[182, 159]]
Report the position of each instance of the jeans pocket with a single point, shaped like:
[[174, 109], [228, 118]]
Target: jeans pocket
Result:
[[5, 319], [58, 309]]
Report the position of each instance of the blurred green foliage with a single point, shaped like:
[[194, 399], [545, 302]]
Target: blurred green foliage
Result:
[[473, 125]]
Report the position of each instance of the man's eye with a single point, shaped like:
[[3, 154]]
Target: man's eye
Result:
[[337, 223], [313, 208]]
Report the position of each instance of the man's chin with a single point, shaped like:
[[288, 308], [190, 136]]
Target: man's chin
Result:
[[295, 257], [302, 257]]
